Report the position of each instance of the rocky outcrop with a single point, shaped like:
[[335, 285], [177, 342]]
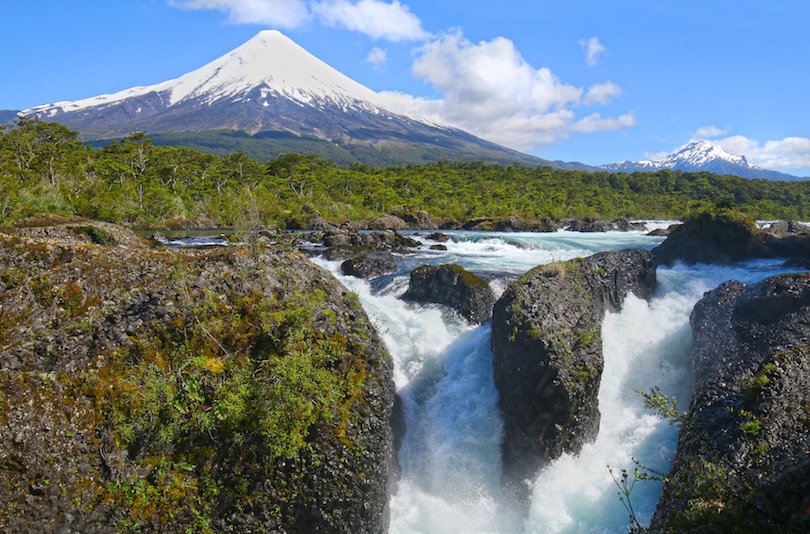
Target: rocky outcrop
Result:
[[239, 389], [388, 222], [547, 349], [588, 225], [438, 237], [663, 232], [511, 224], [343, 244], [369, 265], [78, 231], [728, 239], [742, 463], [453, 286], [786, 228], [418, 220]]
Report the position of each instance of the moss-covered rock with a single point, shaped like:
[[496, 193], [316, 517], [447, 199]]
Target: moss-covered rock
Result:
[[228, 390], [742, 462], [453, 286], [547, 350], [76, 230], [729, 238]]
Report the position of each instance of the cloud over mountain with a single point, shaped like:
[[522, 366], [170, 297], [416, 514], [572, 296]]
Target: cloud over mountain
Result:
[[490, 89], [378, 19]]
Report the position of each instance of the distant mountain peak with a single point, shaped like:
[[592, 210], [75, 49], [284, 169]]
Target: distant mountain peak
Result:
[[270, 62], [700, 156], [701, 152], [271, 88]]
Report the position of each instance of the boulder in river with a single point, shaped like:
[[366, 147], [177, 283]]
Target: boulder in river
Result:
[[742, 463], [343, 243], [588, 225], [453, 286], [726, 239], [438, 237], [369, 265], [547, 352]]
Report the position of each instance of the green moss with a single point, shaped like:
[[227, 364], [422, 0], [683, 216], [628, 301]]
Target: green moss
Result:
[[585, 373], [11, 278], [253, 370], [589, 338], [470, 280], [755, 386], [97, 235], [43, 291], [535, 333]]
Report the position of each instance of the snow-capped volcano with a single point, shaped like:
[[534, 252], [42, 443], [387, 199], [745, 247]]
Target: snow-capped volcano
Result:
[[275, 97], [269, 62], [700, 156]]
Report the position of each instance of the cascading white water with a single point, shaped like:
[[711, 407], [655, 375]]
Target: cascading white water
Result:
[[450, 455]]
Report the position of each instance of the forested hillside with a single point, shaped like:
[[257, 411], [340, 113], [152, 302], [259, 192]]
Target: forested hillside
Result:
[[45, 168]]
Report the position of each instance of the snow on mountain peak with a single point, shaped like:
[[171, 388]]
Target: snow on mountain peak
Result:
[[270, 61], [701, 152], [693, 155]]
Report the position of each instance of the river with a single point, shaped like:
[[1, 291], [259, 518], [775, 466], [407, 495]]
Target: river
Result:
[[450, 455]]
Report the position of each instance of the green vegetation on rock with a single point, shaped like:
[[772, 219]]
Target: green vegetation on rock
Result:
[[239, 387]]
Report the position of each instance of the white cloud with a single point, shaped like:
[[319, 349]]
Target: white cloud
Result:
[[595, 123], [710, 132], [378, 57], [602, 93], [276, 13], [378, 19], [375, 18], [489, 89], [594, 49], [787, 153]]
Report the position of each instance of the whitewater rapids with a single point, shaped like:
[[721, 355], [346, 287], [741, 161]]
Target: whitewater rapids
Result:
[[450, 455]]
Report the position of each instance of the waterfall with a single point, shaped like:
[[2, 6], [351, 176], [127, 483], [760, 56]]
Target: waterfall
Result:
[[450, 455]]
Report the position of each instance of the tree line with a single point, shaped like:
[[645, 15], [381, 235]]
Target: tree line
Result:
[[45, 168]]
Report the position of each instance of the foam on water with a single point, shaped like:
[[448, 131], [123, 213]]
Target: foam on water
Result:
[[450, 455]]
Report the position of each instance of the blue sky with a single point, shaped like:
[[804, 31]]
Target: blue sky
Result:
[[659, 74]]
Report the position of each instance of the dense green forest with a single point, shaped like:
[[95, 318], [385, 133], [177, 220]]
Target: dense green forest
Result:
[[46, 169]]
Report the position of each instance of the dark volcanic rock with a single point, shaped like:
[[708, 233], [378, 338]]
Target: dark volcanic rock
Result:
[[388, 222], [786, 228], [727, 239], [663, 232], [344, 244], [511, 224], [438, 247], [369, 265], [438, 237], [419, 220], [78, 231], [600, 225], [453, 286], [547, 349], [742, 463], [241, 389]]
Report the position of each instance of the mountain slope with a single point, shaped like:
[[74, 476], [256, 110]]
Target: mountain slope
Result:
[[270, 84], [701, 156], [7, 116]]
